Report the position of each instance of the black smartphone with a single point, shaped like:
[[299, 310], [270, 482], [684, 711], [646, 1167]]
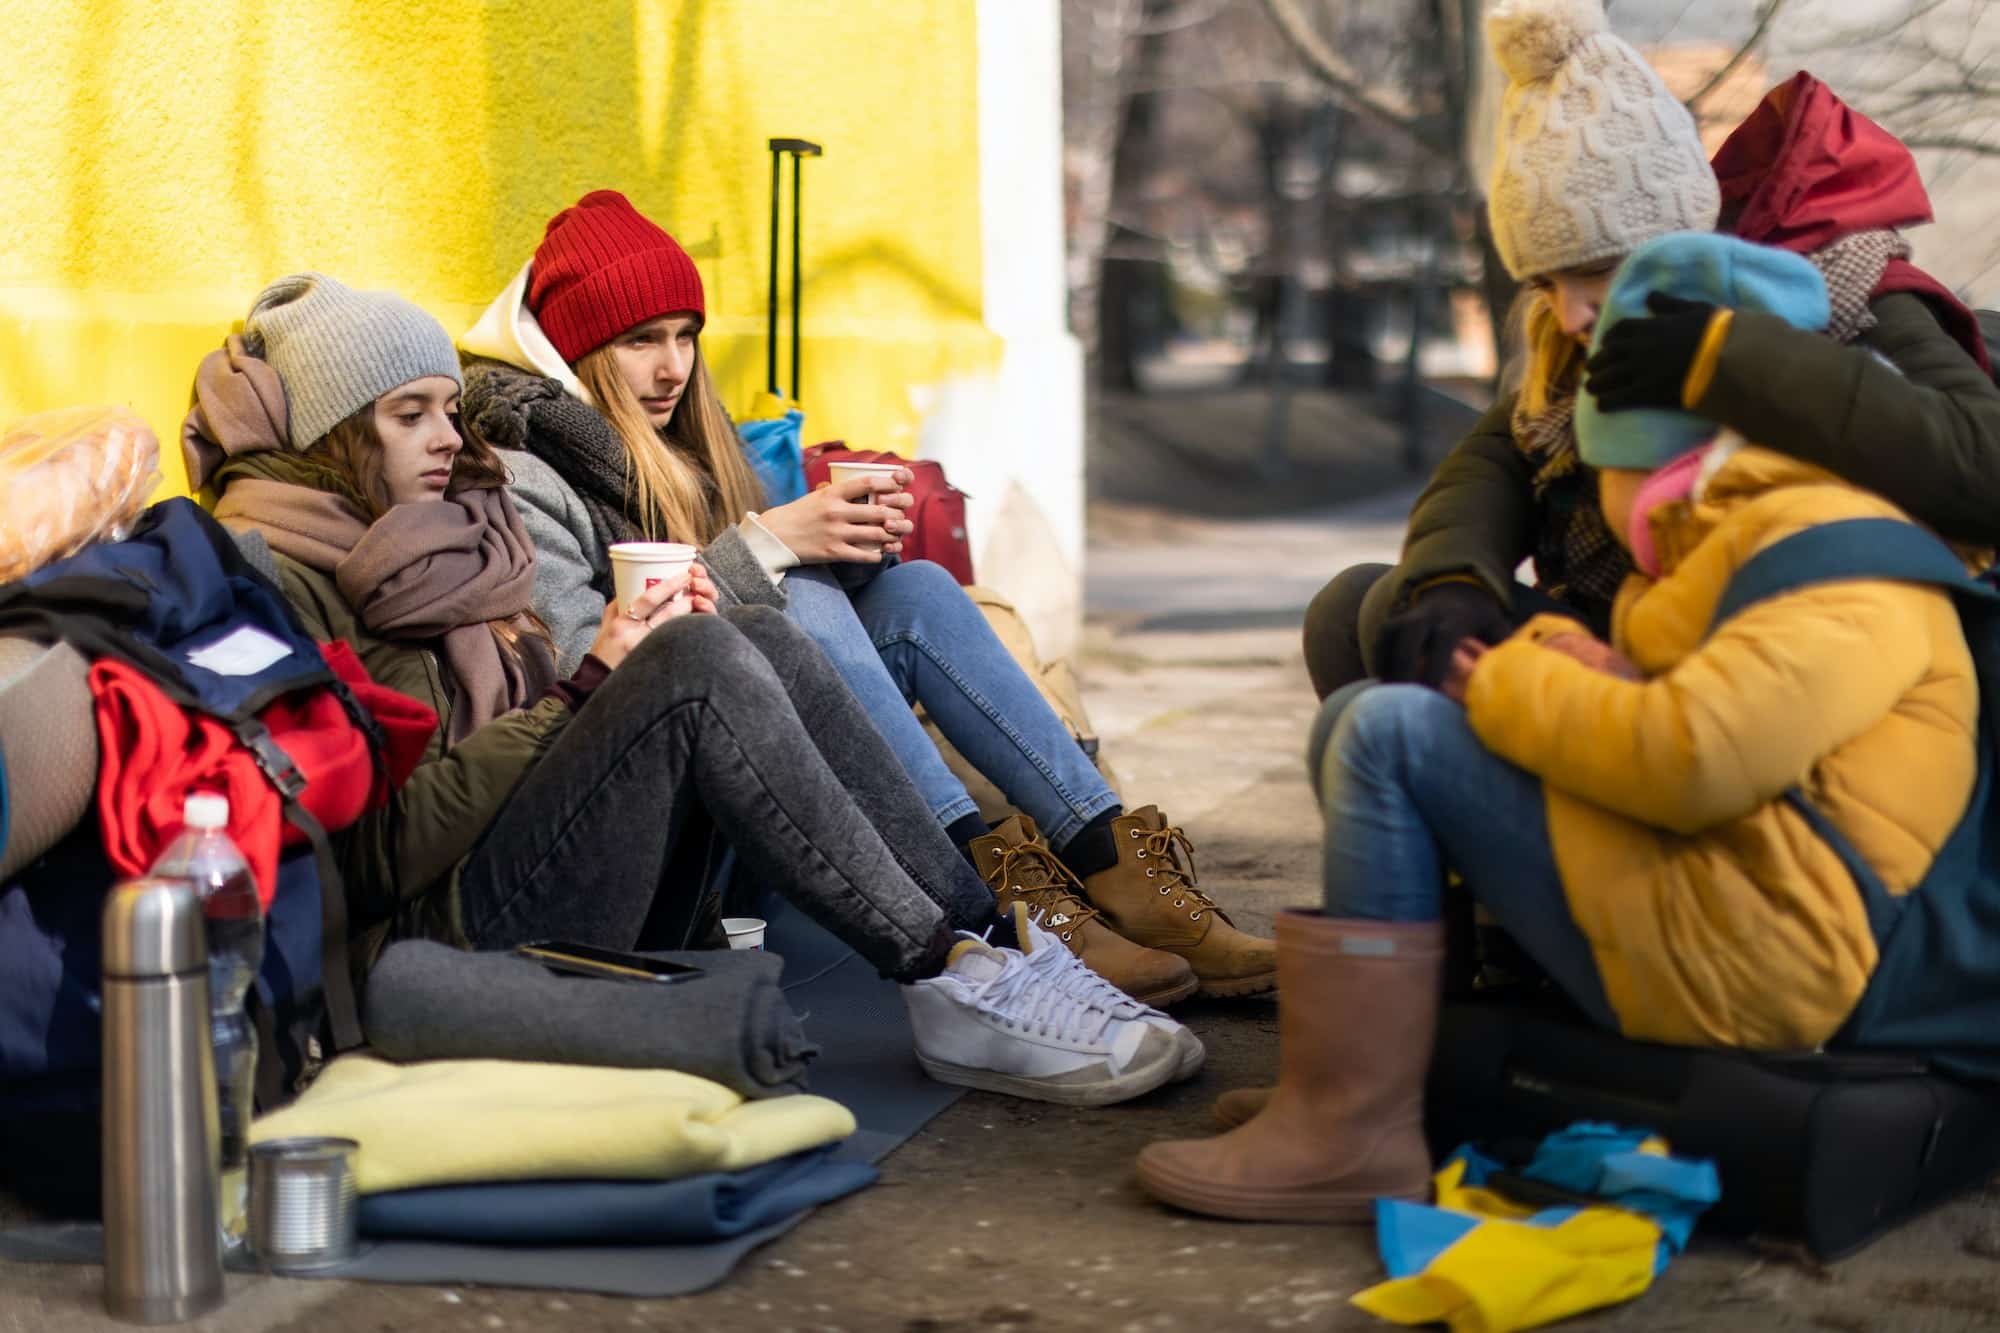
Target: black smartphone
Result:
[[587, 960]]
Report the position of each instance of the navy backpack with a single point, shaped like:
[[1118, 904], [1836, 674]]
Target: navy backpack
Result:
[[1935, 992], [179, 585]]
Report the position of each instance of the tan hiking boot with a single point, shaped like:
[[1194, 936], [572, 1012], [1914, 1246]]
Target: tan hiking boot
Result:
[[1150, 896], [1019, 867]]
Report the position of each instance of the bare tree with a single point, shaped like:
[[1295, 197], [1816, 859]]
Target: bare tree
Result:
[[1929, 72], [1098, 36]]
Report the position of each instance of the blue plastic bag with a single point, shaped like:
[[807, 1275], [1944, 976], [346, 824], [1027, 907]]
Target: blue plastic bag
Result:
[[772, 446]]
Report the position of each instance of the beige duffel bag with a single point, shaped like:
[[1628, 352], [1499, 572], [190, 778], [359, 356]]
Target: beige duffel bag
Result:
[[48, 748]]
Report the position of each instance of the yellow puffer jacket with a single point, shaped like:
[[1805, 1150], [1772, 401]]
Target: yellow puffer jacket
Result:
[[1715, 914]]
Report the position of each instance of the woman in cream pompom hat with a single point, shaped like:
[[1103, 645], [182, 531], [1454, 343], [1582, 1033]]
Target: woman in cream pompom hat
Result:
[[1595, 157], [1857, 369]]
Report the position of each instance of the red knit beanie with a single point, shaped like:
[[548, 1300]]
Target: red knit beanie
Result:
[[602, 268]]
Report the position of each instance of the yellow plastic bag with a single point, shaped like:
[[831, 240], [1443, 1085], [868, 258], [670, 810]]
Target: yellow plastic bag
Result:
[[1507, 1274], [68, 478]]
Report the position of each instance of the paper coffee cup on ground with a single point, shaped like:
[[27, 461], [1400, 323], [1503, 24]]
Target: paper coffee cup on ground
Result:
[[744, 932], [637, 566], [839, 472]]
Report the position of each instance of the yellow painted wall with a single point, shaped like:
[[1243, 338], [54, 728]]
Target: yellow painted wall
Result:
[[163, 159]]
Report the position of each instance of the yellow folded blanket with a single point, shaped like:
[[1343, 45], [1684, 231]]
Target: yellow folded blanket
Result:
[[463, 1121]]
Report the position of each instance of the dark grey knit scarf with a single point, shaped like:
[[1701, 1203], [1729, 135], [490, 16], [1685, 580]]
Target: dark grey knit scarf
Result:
[[509, 408]]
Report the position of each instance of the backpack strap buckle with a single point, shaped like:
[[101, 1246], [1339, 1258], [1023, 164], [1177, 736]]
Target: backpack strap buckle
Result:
[[278, 766]]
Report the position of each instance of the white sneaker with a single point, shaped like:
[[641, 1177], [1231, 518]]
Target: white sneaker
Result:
[[995, 1020], [1065, 971]]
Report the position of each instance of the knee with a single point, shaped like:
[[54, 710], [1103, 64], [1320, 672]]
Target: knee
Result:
[[1320, 736], [772, 632], [1333, 633], [1379, 730], [690, 649], [921, 585], [754, 620]]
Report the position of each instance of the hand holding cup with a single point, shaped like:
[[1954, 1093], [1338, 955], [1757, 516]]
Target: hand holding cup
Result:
[[854, 517], [621, 628]]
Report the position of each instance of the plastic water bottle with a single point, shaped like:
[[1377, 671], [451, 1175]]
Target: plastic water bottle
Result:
[[233, 916]]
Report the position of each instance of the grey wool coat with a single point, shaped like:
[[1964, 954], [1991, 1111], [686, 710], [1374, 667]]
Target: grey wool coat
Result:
[[571, 567], [512, 409]]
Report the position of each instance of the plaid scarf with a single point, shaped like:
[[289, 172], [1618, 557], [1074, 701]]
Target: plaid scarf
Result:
[[1853, 267], [1577, 559]]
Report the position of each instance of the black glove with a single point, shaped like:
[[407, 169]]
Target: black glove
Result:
[[1644, 362], [1417, 642]]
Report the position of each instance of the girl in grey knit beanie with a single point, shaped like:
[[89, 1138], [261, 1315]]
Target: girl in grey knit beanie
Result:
[[337, 350]]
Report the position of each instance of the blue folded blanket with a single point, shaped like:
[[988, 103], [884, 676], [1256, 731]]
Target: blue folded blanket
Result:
[[558, 1212]]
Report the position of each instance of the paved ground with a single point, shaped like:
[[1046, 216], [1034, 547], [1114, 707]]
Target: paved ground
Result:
[[1007, 1214]]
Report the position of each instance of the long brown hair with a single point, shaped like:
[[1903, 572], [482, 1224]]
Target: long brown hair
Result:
[[1547, 362], [348, 460], [686, 483], [352, 454]]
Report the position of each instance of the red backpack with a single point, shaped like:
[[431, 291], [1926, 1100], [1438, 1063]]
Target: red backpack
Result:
[[939, 513]]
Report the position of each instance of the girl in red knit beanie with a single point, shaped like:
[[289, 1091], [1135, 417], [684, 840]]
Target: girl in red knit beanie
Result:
[[593, 384]]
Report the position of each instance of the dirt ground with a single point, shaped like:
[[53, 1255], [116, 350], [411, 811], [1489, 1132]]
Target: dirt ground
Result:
[[1012, 1215]]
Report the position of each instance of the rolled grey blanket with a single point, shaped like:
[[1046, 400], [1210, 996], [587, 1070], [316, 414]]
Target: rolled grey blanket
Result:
[[731, 1025]]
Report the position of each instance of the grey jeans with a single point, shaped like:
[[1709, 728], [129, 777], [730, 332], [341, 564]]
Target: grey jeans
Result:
[[735, 727]]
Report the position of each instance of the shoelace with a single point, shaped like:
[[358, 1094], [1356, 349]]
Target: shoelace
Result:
[[1161, 845], [1070, 975], [1030, 872], [1022, 996]]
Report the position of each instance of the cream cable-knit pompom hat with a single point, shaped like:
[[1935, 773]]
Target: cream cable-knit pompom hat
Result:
[[1595, 156]]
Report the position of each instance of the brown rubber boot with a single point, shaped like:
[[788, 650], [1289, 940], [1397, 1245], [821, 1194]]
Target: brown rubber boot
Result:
[[1151, 898], [1345, 1125], [1240, 1105], [1019, 867]]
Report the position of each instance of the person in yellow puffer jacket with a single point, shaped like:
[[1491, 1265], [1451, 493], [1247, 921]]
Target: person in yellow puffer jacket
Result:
[[1619, 809]]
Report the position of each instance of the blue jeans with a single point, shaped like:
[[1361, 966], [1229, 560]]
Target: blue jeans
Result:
[[1408, 792], [911, 635]]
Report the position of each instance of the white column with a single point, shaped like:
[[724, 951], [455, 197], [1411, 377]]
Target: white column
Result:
[[1014, 440]]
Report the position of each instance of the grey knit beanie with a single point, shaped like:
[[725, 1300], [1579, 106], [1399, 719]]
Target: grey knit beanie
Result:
[[336, 350], [1595, 156]]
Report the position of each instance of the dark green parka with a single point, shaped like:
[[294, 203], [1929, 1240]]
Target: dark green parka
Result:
[[1903, 411], [402, 863]]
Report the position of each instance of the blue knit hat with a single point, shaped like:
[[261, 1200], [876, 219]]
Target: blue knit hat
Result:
[[1695, 266]]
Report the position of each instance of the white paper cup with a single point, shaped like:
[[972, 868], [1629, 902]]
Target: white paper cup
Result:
[[744, 932], [637, 566], [839, 472]]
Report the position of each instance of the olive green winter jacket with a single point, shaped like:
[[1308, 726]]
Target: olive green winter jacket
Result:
[[402, 863]]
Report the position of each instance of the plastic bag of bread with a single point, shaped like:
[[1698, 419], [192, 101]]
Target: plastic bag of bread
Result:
[[68, 478]]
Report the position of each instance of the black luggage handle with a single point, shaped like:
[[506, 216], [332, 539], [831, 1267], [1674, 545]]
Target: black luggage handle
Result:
[[800, 149]]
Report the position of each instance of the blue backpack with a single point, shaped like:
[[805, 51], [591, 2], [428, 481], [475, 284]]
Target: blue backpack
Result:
[[1935, 992], [177, 586]]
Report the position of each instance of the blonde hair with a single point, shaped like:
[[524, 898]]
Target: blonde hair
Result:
[[1547, 362], [688, 482]]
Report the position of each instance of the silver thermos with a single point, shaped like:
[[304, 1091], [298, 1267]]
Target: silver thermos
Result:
[[162, 1236]]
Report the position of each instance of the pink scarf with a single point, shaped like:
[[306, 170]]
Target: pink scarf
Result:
[[1673, 482]]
